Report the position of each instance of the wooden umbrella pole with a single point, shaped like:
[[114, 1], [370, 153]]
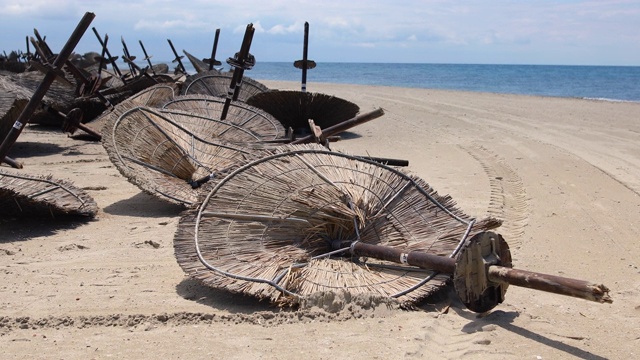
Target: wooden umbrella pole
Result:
[[304, 57], [111, 59], [147, 57], [482, 271], [239, 63], [42, 89], [212, 61], [340, 127]]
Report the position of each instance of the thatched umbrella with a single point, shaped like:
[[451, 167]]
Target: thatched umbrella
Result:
[[295, 108], [170, 153], [27, 195], [239, 113], [267, 228], [153, 96], [215, 83]]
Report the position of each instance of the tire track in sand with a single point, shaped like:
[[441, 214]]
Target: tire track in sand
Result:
[[508, 199]]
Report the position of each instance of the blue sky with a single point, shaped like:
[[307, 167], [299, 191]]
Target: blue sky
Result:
[[429, 31]]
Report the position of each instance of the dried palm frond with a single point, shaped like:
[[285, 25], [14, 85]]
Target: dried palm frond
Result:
[[163, 152], [27, 195], [267, 228], [215, 83], [239, 113], [295, 108]]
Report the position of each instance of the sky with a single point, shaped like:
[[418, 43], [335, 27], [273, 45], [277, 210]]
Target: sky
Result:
[[570, 32]]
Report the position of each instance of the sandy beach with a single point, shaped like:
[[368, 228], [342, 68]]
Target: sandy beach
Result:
[[563, 175]]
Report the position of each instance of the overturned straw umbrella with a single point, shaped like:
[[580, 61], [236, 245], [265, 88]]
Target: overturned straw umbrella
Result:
[[215, 83], [266, 228], [27, 195], [153, 96], [295, 108], [170, 154], [239, 113], [306, 221]]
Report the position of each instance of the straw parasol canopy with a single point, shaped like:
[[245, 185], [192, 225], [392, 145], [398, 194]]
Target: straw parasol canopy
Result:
[[239, 113], [266, 228], [153, 96], [27, 195], [215, 83], [163, 152], [295, 108]]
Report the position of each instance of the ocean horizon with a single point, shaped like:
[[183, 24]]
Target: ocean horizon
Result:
[[607, 83]]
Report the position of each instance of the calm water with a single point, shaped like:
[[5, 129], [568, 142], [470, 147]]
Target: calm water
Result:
[[614, 83]]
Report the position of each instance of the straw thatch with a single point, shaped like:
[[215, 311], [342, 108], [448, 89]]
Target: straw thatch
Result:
[[264, 228], [26, 195], [295, 108], [215, 83], [153, 96], [163, 151], [13, 100], [239, 113]]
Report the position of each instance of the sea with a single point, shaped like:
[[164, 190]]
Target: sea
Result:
[[606, 83]]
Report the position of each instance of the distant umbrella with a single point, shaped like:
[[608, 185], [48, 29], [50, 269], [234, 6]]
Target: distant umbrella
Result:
[[241, 114], [27, 195], [215, 83], [295, 108], [267, 228]]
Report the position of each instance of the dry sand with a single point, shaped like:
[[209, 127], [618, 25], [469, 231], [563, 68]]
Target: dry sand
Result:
[[563, 174]]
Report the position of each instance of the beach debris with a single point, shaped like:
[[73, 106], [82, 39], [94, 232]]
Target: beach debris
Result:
[[28, 195], [42, 89], [307, 220]]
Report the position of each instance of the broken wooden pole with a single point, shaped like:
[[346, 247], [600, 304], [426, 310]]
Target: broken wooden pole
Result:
[[342, 126]]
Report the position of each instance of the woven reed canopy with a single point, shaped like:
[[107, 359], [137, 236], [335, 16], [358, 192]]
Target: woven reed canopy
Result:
[[162, 151], [266, 228], [295, 108], [28, 195], [248, 117], [153, 96], [215, 83]]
